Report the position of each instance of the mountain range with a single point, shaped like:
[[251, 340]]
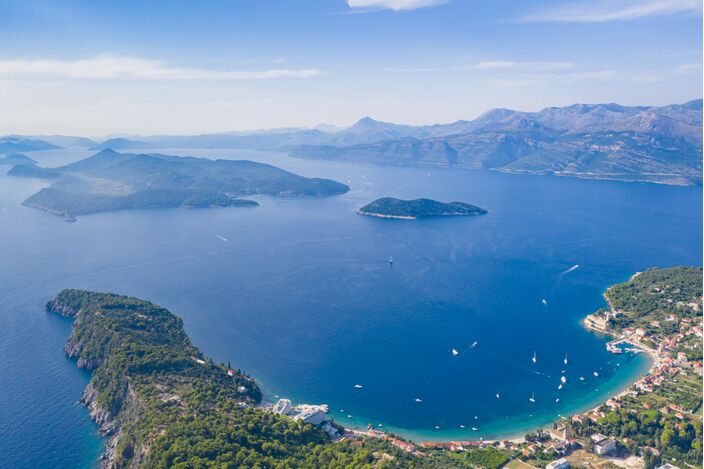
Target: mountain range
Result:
[[609, 141]]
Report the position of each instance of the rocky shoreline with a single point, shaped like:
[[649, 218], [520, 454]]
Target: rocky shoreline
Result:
[[109, 425], [381, 215]]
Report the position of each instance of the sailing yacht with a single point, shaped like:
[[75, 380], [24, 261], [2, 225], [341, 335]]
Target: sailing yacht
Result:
[[565, 360], [532, 397], [535, 358]]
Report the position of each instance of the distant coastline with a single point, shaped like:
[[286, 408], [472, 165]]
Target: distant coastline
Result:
[[381, 215]]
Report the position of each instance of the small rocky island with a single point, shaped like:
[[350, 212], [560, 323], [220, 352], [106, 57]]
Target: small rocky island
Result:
[[389, 207]]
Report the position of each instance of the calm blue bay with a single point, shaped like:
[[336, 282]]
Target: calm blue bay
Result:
[[299, 293]]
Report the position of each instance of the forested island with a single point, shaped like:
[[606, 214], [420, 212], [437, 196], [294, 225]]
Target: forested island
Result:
[[109, 181], [389, 207]]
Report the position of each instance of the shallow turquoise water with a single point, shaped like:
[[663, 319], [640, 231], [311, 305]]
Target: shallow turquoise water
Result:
[[302, 297]]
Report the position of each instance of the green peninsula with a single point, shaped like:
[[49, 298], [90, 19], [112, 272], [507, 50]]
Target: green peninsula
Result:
[[163, 404], [109, 181], [659, 417], [389, 207]]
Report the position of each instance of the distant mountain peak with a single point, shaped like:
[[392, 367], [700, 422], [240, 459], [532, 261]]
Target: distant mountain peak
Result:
[[107, 152], [367, 122]]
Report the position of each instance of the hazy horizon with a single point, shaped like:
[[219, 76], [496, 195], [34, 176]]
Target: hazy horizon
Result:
[[323, 126], [98, 69]]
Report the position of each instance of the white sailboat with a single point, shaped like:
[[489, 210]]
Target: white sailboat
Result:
[[417, 399], [535, 357], [596, 374], [565, 360], [563, 380], [498, 396], [532, 397], [455, 352], [358, 386]]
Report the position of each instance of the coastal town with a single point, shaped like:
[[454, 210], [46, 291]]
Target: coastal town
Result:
[[669, 395]]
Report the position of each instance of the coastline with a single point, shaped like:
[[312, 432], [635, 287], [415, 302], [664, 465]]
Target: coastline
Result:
[[381, 215], [623, 389], [514, 436], [675, 180]]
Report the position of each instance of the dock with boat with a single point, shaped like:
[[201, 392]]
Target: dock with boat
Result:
[[620, 346]]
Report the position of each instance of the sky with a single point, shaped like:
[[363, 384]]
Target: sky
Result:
[[184, 67]]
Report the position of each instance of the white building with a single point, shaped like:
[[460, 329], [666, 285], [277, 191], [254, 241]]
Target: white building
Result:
[[603, 445], [313, 416], [667, 466], [559, 464], [283, 407]]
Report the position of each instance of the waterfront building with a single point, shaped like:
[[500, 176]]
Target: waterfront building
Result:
[[597, 322], [283, 407], [559, 433], [312, 416]]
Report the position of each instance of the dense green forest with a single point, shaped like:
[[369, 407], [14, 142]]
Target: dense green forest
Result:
[[391, 207], [655, 294]]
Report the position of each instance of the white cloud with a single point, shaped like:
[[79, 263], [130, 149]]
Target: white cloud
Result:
[[396, 5], [524, 66], [613, 10], [109, 67], [544, 79], [491, 65], [688, 68]]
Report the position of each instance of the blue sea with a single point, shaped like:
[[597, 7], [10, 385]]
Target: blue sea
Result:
[[300, 294]]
